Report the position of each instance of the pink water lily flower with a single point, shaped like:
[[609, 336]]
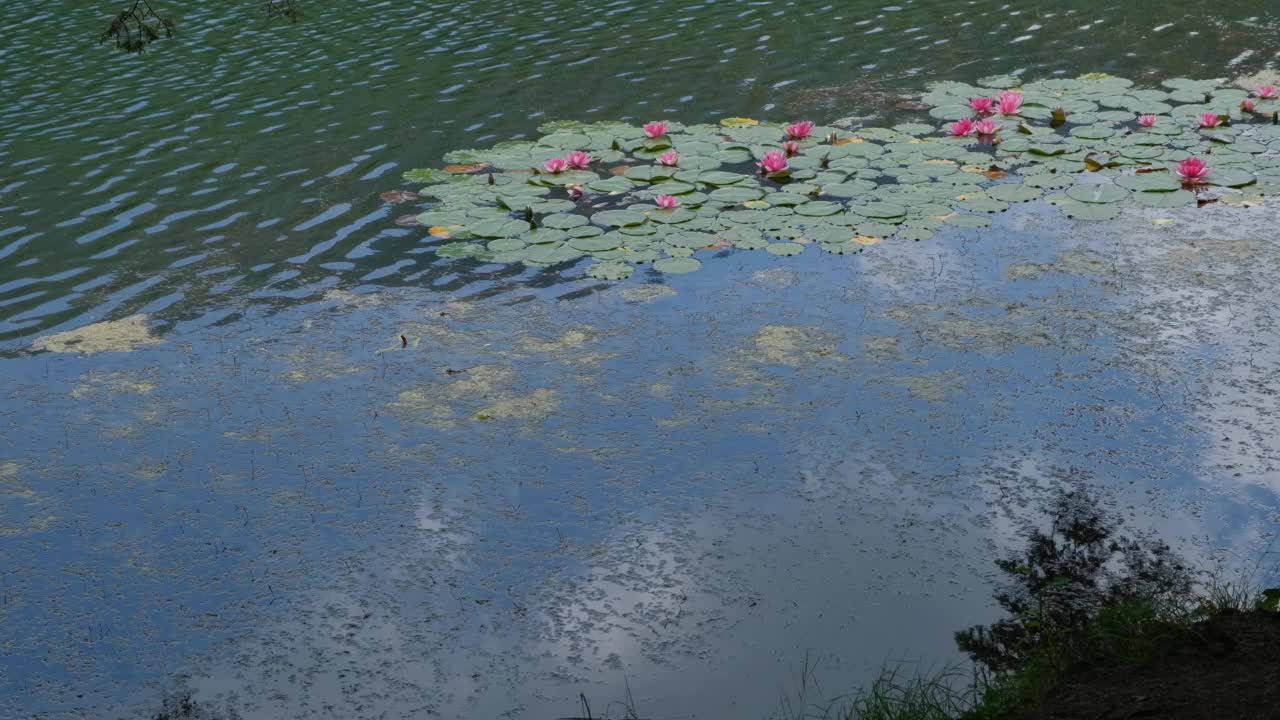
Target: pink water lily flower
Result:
[[670, 159], [1209, 120], [962, 128], [578, 160], [800, 130], [1192, 170], [1147, 120], [791, 148], [1009, 102], [982, 105], [555, 165], [667, 202], [1247, 105], [655, 129], [772, 162], [1267, 92], [985, 128]]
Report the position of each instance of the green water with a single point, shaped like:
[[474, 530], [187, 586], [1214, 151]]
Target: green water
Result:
[[241, 163]]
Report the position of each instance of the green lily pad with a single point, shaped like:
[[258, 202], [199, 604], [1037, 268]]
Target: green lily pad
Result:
[[676, 265], [459, 250], [1229, 177], [671, 217], [505, 245], [735, 194], [1093, 132], [611, 185], [618, 218], [915, 233], [500, 227], [784, 248], [1177, 198], [693, 240], [719, 178], [847, 247], [969, 221], [1097, 193], [563, 222], [1013, 193], [552, 254], [818, 209], [1049, 181], [881, 210], [1151, 182], [649, 173], [610, 270], [1092, 210], [851, 189], [595, 244]]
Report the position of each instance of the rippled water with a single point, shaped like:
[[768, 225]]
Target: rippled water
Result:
[[555, 486], [241, 164]]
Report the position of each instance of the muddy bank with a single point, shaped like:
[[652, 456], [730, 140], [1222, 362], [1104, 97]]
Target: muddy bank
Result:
[[1223, 668]]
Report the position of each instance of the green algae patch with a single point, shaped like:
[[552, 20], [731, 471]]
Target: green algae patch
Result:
[[534, 407], [124, 335], [792, 345], [112, 384]]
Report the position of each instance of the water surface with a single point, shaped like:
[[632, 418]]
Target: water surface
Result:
[[245, 485]]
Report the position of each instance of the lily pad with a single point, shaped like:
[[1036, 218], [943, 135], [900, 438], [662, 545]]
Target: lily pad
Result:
[[500, 227], [818, 209], [1013, 193], [1177, 198], [881, 210], [618, 218], [676, 265], [784, 248], [1092, 210], [1150, 182], [671, 217], [610, 270], [1097, 193], [1229, 177], [735, 194], [563, 222]]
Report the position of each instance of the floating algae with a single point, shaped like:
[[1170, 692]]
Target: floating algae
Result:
[[123, 335]]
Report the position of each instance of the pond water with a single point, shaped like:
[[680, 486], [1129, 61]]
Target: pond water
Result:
[[257, 440]]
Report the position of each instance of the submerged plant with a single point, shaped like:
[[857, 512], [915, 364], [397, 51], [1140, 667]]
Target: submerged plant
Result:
[[291, 9], [136, 28]]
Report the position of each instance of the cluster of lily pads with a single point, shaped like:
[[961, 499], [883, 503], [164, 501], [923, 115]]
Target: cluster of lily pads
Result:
[[659, 194]]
